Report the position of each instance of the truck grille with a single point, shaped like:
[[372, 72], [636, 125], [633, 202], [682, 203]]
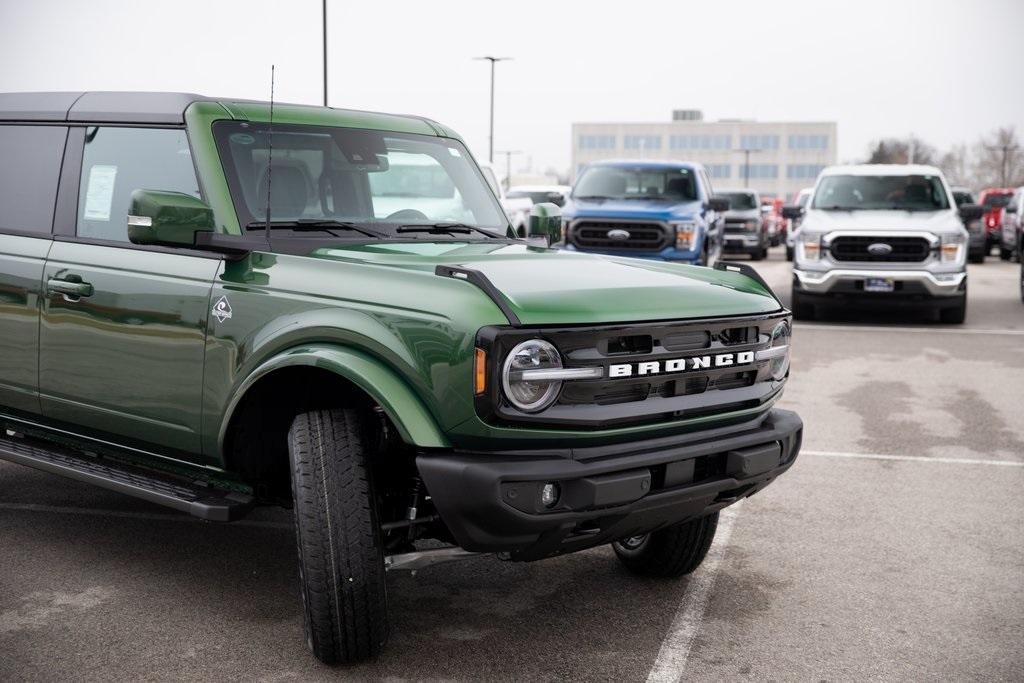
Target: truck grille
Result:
[[641, 398], [589, 234], [903, 249], [735, 226]]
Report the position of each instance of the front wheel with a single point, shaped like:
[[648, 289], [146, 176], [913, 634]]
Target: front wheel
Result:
[[670, 552], [1005, 254], [954, 315], [789, 253], [341, 563]]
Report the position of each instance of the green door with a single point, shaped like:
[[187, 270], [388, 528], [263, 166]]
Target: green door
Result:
[[30, 159], [123, 328]]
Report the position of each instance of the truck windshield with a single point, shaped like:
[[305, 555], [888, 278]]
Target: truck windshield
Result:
[[996, 201], [378, 179], [881, 192], [621, 182], [741, 201]]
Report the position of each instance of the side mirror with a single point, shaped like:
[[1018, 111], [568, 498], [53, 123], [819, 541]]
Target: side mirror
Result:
[[171, 218], [545, 222], [1011, 208], [766, 208], [792, 211], [718, 204], [971, 212]]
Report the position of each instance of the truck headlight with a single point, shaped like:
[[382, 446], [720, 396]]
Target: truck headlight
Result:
[[777, 353], [952, 246], [809, 244], [751, 226], [686, 235], [526, 392]]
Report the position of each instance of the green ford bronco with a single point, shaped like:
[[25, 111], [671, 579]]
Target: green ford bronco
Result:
[[215, 304]]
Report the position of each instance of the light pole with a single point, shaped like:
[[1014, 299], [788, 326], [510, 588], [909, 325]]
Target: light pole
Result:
[[324, 22], [490, 139], [508, 165], [747, 151], [1005, 149]]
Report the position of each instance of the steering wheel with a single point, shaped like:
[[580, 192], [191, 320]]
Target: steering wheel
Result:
[[408, 215]]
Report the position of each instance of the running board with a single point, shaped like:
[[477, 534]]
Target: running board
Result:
[[196, 497]]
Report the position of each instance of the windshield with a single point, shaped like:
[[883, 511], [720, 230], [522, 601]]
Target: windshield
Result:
[[377, 179], [996, 201], [740, 201], [619, 182], [881, 192], [802, 200]]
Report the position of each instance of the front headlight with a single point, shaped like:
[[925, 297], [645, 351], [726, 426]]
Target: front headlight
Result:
[[522, 386], [777, 353], [751, 226], [809, 244], [952, 246], [686, 235]]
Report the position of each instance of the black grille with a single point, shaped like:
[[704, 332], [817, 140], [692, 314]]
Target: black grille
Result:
[[736, 226], [903, 249], [594, 235], [641, 395]]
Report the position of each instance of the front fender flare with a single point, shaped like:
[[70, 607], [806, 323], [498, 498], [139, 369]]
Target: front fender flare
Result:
[[413, 421]]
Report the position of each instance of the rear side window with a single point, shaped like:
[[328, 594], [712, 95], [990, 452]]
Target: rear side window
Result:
[[30, 158], [118, 161]]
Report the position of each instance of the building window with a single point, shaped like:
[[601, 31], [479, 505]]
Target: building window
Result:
[[642, 141], [720, 142], [597, 142], [761, 171], [803, 171], [759, 142], [719, 170], [808, 142]]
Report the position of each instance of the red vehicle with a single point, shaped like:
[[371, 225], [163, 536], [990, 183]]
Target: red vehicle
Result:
[[771, 212], [993, 200]]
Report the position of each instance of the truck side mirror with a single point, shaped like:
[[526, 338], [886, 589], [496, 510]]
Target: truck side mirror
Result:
[[1011, 208], [718, 204], [792, 211], [971, 212], [168, 218], [545, 222]]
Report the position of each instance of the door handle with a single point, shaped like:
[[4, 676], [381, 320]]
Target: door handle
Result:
[[69, 288]]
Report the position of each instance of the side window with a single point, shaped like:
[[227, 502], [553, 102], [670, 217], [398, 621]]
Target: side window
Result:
[[30, 158], [118, 161]]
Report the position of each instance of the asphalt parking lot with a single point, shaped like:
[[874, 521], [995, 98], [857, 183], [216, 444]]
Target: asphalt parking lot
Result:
[[894, 549]]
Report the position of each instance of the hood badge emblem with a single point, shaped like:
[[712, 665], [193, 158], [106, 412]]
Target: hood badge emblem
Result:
[[879, 249], [222, 309], [618, 234]]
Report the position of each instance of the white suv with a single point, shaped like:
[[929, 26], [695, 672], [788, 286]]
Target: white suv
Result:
[[882, 235]]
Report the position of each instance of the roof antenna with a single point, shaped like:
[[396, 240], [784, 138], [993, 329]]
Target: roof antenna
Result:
[[270, 156]]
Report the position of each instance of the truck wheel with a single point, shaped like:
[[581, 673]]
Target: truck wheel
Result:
[[759, 255], [978, 257], [956, 314], [670, 552], [802, 309], [1005, 254], [341, 565], [789, 253]]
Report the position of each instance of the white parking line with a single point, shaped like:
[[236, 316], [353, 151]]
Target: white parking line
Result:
[[69, 510], [915, 458], [923, 330], [675, 648]]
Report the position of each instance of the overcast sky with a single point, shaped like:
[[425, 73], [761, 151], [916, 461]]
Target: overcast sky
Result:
[[946, 71]]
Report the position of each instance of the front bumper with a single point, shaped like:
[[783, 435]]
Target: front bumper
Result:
[[490, 501], [848, 280], [667, 254], [743, 243]]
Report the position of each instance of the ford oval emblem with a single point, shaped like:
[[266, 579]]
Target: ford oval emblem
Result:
[[618, 235], [879, 249]]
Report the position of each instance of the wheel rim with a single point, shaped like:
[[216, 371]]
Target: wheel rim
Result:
[[633, 542]]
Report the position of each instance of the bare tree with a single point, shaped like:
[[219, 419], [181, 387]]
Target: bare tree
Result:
[[999, 159], [956, 165], [910, 150]]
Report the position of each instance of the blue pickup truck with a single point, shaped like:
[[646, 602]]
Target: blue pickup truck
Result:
[[648, 209]]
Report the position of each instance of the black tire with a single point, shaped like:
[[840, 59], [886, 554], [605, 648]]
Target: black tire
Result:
[[789, 253], [1022, 277], [977, 257], [1005, 254], [670, 552], [759, 255], [954, 315], [341, 564], [802, 308]]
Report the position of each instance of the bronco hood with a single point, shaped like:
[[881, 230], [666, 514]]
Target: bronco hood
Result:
[[546, 286]]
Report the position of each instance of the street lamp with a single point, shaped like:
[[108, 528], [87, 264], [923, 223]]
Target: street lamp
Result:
[[747, 151], [490, 140]]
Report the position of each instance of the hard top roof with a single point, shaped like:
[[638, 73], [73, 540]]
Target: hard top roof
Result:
[[169, 108]]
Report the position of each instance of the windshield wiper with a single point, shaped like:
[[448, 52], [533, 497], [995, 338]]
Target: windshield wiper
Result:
[[315, 225], [592, 197], [445, 229], [836, 207]]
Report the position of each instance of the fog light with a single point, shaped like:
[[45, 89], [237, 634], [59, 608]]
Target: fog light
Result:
[[549, 495]]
